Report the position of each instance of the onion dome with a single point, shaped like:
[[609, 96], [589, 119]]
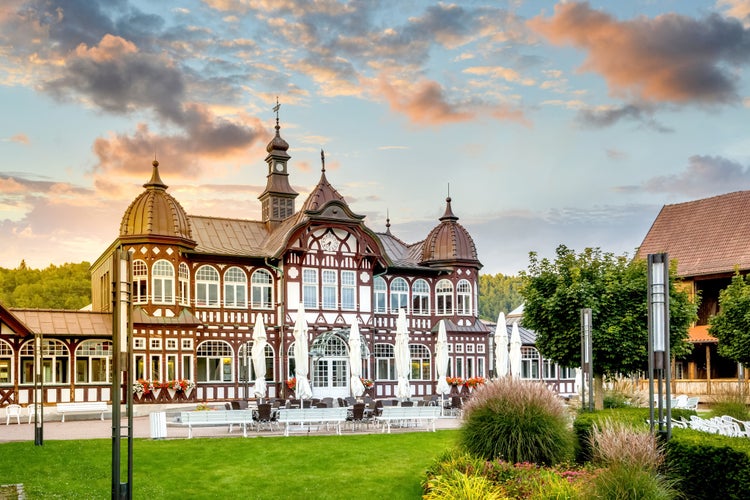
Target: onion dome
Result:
[[449, 242], [277, 143], [155, 213]]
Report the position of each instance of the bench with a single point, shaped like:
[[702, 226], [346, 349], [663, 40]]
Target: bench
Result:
[[208, 418], [403, 415], [83, 407], [312, 416]]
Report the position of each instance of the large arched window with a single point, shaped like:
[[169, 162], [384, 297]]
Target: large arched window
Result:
[[56, 359], [94, 362], [162, 282], [420, 297], [420, 362], [235, 288], [214, 359], [184, 273], [140, 282], [444, 297], [380, 289], [385, 362], [207, 287], [262, 289], [6, 363], [463, 297], [247, 367], [399, 295]]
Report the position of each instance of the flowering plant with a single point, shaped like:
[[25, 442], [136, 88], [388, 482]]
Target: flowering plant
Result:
[[143, 386], [454, 380], [180, 384], [475, 381], [292, 383], [367, 382]]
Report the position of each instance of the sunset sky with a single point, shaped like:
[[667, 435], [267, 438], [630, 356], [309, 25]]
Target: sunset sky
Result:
[[548, 123]]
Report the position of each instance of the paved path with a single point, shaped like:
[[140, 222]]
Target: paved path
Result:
[[76, 427]]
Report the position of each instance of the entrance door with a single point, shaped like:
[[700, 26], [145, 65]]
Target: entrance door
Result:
[[331, 378]]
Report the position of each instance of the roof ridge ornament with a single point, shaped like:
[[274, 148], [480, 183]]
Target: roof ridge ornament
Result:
[[323, 160]]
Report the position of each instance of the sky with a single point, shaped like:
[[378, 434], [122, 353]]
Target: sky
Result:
[[546, 123]]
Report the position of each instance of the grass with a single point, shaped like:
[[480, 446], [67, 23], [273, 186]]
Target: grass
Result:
[[311, 467]]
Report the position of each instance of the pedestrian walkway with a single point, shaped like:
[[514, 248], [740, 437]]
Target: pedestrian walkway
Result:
[[80, 428]]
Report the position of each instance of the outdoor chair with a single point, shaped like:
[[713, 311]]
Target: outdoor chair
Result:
[[357, 417], [328, 402], [13, 411], [341, 402], [32, 408], [407, 403], [265, 416]]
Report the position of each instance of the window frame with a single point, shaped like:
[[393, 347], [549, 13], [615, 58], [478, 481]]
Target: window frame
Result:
[[261, 293], [399, 291], [162, 282], [235, 288], [205, 285]]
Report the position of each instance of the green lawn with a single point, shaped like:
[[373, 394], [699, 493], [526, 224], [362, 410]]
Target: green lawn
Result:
[[300, 467]]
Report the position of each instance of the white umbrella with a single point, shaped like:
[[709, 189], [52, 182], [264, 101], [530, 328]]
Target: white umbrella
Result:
[[303, 389], [259, 356], [515, 352], [355, 360], [403, 356], [501, 346], [441, 360]]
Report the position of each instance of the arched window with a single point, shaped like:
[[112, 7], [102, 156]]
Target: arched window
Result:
[[56, 360], [207, 287], [399, 295], [184, 273], [235, 288], [291, 366], [162, 282], [6, 363], [379, 288], [246, 362], [94, 362], [262, 289], [463, 297], [420, 362], [529, 362], [140, 282], [385, 362], [444, 297], [214, 361], [420, 297]]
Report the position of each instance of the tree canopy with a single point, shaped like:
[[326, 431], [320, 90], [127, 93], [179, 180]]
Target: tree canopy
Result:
[[57, 287], [731, 325], [615, 288], [498, 293]]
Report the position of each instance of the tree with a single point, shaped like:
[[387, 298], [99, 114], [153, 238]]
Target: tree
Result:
[[57, 287], [615, 288], [498, 293], [731, 325]]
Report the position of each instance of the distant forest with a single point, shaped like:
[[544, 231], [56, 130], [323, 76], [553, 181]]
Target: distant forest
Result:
[[56, 287], [69, 287]]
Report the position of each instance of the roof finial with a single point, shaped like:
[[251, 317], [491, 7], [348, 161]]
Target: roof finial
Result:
[[387, 221], [276, 110], [323, 160]]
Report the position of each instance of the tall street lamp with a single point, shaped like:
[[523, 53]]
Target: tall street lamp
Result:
[[659, 376], [38, 391], [587, 365]]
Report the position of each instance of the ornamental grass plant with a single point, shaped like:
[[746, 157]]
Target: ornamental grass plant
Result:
[[731, 401], [517, 421]]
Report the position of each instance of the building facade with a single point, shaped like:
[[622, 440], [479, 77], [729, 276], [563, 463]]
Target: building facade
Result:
[[200, 284]]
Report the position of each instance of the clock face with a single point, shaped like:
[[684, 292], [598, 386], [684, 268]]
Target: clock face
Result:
[[279, 167]]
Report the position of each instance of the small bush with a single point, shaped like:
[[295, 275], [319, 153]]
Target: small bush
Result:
[[617, 443], [456, 485], [730, 401], [517, 421], [625, 482]]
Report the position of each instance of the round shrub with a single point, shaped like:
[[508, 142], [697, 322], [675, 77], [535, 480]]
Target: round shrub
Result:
[[517, 421]]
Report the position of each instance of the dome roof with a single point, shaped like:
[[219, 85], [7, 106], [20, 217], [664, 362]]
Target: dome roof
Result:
[[277, 143], [449, 242], [155, 213]]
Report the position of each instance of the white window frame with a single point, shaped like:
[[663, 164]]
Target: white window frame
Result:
[[139, 343], [94, 352], [207, 287], [186, 344], [421, 362], [380, 295], [463, 298], [444, 298], [184, 279], [170, 344], [6, 363], [261, 295], [399, 290], [162, 282], [215, 356], [155, 344], [235, 288], [348, 290], [385, 360], [310, 288], [55, 362], [140, 282], [420, 297], [329, 288]]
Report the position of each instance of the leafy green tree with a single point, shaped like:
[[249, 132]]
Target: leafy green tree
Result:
[[615, 288], [57, 287], [498, 293], [731, 325]]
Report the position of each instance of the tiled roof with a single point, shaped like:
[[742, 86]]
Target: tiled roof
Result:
[[705, 236], [699, 334], [59, 322], [220, 236]]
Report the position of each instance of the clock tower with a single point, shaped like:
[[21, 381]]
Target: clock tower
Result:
[[277, 201]]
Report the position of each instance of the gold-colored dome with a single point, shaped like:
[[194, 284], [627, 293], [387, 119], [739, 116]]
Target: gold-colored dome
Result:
[[155, 213], [449, 242]]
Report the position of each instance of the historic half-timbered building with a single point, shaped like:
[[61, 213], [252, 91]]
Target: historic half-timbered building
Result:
[[200, 283]]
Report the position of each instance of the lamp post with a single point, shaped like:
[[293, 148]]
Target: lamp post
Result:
[[587, 367], [659, 376], [38, 391]]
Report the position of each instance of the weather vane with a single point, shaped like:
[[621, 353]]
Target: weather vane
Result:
[[276, 109]]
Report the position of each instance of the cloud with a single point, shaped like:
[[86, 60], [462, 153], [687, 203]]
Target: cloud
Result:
[[424, 103], [739, 9], [607, 116], [704, 176], [670, 58]]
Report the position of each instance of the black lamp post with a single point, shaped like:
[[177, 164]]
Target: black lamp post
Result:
[[659, 376], [38, 391]]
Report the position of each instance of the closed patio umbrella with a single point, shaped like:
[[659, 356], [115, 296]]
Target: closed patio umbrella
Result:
[[515, 352], [301, 350], [355, 360], [259, 356], [403, 357], [441, 360], [501, 346]]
